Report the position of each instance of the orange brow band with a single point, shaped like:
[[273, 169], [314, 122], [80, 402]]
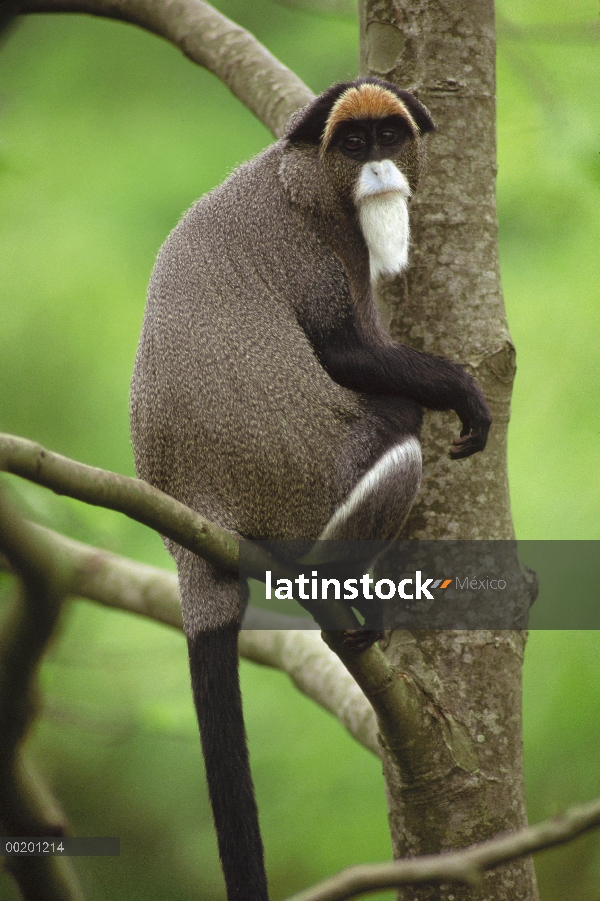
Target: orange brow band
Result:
[[367, 101]]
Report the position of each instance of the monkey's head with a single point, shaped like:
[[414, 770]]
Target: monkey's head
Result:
[[364, 122], [366, 136]]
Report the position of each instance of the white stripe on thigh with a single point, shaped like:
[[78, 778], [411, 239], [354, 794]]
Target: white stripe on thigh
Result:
[[381, 499]]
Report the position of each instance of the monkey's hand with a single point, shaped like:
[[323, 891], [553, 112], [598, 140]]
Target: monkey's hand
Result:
[[476, 421], [361, 639]]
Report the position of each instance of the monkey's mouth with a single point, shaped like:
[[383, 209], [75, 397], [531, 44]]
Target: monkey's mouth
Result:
[[384, 193], [381, 178]]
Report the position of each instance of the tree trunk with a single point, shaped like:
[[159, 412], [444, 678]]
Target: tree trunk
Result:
[[450, 302]]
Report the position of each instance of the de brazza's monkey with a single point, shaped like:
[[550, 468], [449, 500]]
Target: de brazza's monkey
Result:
[[267, 396]]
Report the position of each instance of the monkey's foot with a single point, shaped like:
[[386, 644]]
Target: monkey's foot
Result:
[[361, 639]]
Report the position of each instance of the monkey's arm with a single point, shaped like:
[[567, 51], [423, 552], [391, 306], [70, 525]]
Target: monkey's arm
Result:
[[374, 364]]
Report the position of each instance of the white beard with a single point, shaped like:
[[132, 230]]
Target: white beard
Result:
[[381, 195]]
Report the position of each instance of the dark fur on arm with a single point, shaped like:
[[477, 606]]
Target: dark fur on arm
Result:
[[377, 365]]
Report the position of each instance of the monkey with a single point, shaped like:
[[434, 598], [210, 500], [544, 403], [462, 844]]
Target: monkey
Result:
[[267, 396]]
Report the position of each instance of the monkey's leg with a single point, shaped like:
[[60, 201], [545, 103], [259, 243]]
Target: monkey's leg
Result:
[[381, 499], [212, 614], [374, 510]]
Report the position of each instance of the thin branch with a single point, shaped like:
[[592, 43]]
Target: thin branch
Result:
[[151, 507], [149, 591], [112, 580], [404, 714], [268, 88], [33, 551], [115, 581], [466, 867], [133, 497]]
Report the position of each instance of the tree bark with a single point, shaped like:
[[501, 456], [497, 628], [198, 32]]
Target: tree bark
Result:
[[450, 302]]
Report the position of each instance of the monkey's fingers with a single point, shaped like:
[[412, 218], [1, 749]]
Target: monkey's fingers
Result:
[[466, 446]]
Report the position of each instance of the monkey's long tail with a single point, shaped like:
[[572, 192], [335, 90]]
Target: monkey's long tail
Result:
[[217, 696]]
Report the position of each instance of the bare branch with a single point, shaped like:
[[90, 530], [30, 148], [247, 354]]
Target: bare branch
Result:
[[268, 88], [466, 867], [149, 591], [403, 712], [151, 507], [135, 498], [406, 721], [34, 552], [115, 581], [319, 674]]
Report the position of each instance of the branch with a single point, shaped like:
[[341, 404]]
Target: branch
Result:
[[115, 581], [34, 551], [151, 507], [51, 566], [268, 88], [404, 714], [317, 673], [412, 726], [133, 497], [26, 806], [466, 867], [407, 721]]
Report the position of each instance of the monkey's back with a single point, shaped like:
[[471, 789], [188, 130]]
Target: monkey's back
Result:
[[231, 411]]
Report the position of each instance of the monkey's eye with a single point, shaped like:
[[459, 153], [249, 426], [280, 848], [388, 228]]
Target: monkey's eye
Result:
[[354, 142], [387, 136]]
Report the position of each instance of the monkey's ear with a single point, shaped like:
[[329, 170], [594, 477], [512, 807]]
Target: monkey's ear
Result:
[[418, 111], [307, 126]]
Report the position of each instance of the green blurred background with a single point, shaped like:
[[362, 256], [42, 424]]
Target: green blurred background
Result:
[[107, 134]]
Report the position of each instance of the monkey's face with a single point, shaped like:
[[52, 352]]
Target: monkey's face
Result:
[[364, 157], [367, 135], [369, 123]]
